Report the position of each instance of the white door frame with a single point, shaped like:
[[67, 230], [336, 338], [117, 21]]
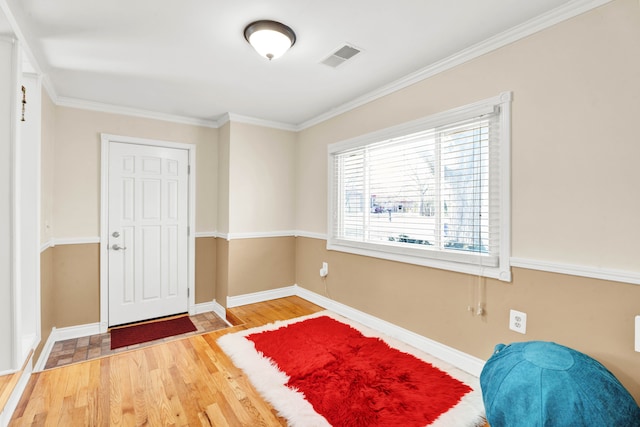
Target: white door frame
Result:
[[106, 139]]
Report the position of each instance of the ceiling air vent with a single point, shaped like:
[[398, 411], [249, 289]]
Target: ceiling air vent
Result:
[[341, 55]]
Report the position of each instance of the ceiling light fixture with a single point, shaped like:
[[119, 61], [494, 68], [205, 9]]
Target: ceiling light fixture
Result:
[[270, 39]]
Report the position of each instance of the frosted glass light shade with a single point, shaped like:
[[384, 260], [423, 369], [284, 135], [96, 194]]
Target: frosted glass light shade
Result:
[[269, 38]]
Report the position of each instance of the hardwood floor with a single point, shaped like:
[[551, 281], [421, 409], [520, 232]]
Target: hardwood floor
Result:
[[74, 350], [187, 382], [184, 382], [7, 384]]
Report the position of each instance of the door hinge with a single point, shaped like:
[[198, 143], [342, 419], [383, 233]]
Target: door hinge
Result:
[[188, 230], [188, 169], [188, 292]]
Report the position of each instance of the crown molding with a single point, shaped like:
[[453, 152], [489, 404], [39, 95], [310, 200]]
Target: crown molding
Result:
[[135, 112], [237, 118], [567, 11], [546, 20], [47, 84]]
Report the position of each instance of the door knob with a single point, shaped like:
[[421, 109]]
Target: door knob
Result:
[[115, 234], [117, 247]]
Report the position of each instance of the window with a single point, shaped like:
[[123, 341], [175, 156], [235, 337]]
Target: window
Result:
[[433, 192]]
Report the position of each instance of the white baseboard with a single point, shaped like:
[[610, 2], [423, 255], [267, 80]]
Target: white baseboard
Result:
[[64, 334], [261, 296], [464, 361], [14, 398], [7, 372], [202, 307], [214, 306], [46, 351], [220, 311], [77, 331]]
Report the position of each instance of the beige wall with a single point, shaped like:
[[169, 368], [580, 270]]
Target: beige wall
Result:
[[70, 283], [77, 166], [76, 280], [261, 264], [224, 141], [261, 179], [575, 89], [205, 269], [257, 195], [222, 271], [47, 152], [574, 168]]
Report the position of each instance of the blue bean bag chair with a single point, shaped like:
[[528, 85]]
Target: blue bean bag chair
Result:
[[538, 383]]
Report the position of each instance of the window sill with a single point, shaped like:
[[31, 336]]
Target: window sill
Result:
[[405, 255]]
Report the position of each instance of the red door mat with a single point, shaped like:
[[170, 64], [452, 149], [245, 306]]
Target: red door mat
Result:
[[136, 334]]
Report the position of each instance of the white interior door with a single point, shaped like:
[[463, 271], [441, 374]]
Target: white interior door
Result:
[[148, 232]]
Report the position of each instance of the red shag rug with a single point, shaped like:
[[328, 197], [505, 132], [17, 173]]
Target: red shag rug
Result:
[[324, 370], [136, 334]]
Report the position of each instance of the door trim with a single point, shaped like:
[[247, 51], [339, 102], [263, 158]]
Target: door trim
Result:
[[106, 140]]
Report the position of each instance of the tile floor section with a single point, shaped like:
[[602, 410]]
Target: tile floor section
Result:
[[85, 348]]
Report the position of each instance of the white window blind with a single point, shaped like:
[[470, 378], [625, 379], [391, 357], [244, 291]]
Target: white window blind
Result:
[[432, 190]]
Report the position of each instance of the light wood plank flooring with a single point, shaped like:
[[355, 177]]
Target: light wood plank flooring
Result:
[[187, 382], [7, 384], [76, 350]]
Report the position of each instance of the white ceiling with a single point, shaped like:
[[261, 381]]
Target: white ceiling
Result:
[[189, 58]]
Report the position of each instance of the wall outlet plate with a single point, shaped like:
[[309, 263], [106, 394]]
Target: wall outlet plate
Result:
[[518, 321], [324, 271]]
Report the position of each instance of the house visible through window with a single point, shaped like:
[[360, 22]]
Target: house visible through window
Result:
[[431, 192]]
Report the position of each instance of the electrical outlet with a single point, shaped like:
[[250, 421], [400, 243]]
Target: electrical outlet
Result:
[[324, 270], [518, 321]]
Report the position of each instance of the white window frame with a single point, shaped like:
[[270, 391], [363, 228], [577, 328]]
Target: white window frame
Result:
[[458, 262]]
